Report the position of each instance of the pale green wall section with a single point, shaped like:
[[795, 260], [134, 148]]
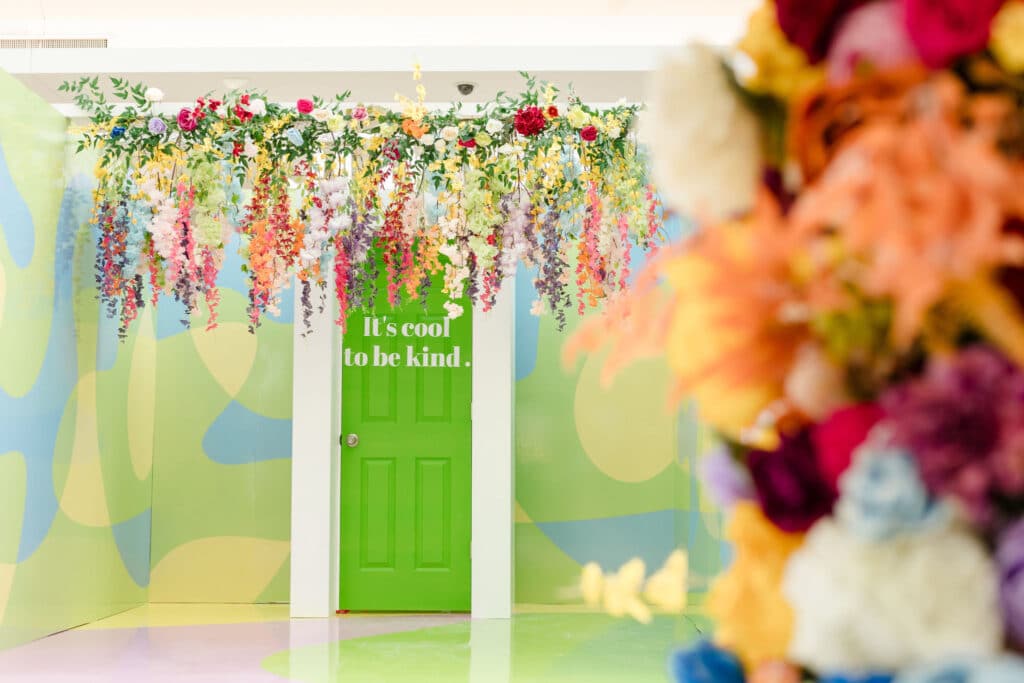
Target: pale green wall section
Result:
[[75, 440]]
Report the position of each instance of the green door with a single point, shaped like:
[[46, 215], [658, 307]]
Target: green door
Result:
[[405, 459]]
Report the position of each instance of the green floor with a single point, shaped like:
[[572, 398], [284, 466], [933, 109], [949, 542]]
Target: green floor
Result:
[[534, 648]]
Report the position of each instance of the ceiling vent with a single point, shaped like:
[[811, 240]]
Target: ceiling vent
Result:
[[51, 43]]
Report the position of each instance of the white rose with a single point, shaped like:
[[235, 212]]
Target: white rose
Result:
[[493, 126], [881, 606], [450, 133], [250, 149], [705, 159], [320, 115], [154, 94], [439, 146], [427, 139], [258, 107], [614, 132]]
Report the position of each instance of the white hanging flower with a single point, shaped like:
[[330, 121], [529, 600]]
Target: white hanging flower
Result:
[[705, 144], [493, 126], [320, 114], [154, 95], [427, 139], [454, 310], [450, 133], [257, 106], [880, 606], [439, 146], [250, 149], [538, 308]]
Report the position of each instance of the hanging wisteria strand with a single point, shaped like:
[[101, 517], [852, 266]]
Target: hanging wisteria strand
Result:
[[359, 199]]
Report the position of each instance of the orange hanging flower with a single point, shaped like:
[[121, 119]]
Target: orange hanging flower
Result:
[[414, 128]]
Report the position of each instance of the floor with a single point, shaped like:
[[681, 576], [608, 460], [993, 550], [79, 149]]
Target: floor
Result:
[[259, 644]]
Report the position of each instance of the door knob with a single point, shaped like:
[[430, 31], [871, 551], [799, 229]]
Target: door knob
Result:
[[352, 440]]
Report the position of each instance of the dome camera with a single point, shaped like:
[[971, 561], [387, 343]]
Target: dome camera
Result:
[[465, 88]]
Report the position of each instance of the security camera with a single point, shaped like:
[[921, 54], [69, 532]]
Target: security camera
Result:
[[465, 88]]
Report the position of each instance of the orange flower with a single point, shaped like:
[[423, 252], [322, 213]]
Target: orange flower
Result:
[[731, 325], [415, 129], [820, 122], [916, 205]]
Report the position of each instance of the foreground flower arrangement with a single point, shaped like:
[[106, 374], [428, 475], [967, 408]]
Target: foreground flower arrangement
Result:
[[359, 198], [850, 320]]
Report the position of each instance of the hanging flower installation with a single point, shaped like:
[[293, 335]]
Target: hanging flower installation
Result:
[[339, 195], [850, 319]]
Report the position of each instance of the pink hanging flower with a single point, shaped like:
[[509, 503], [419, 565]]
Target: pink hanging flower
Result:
[[187, 120], [304, 106]]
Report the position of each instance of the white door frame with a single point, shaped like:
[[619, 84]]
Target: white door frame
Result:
[[316, 453]]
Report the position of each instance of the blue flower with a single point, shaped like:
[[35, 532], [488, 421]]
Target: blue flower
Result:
[[1005, 669], [116, 132], [882, 495], [856, 678], [705, 663], [294, 136]]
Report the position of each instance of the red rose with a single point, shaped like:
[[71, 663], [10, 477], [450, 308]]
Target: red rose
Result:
[[529, 121], [471, 143], [789, 484], [304, 106], [187, 120], [810, 25], [552, 111], [943, 30], [838, 437], [588, 133]]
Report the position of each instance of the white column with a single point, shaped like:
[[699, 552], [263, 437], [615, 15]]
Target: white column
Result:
[[316, 393], [493, 404]]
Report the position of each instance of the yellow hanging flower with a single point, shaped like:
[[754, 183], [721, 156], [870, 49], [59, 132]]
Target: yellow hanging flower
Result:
[[1007, 39], [754, 619], [782, 69]]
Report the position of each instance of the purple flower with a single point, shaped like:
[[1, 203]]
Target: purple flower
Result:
[[1010, 561], [725, 480], [964, 423], [790, 487], [157, 126]]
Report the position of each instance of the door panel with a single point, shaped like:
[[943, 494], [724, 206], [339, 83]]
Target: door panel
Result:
[[405, 488]]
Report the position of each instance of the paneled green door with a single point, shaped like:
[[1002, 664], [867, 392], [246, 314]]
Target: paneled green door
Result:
[[406, 460]]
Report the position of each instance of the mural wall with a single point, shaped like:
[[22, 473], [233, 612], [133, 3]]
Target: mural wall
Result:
[[222, 449], [75, 408], [602, 473]]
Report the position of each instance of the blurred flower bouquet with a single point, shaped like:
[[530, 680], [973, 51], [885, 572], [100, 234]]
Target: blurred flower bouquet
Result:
[[849, 318]]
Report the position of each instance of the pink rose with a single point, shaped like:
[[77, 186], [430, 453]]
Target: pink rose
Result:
[[304, 106], [187, 120], [810, 25], [943, 30], [873, 36], [838, 437], [359, 113]]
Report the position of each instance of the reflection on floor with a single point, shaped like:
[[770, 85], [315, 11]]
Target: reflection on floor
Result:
[[256, 644]]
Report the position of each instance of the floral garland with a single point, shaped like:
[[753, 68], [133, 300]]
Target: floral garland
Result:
[[323, 189], [850, 319]]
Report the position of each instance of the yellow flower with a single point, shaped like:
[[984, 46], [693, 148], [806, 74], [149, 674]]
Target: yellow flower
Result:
[[1007, 40], [577, 117], [782, 69], [335, 123], [754, 619]]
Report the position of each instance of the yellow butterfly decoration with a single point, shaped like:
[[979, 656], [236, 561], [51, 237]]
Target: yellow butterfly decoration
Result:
[[626, 593]]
